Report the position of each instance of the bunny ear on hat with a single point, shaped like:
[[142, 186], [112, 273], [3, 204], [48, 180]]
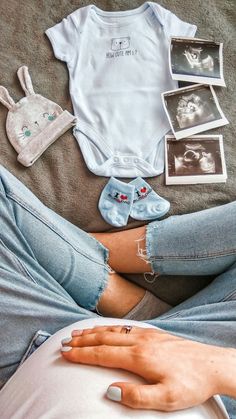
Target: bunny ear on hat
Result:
[[25, 80], [5, 98]]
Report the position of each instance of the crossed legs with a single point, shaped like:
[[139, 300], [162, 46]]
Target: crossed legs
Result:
[[123, 258], [51, 270]]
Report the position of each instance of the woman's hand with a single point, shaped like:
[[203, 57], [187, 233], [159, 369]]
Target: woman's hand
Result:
[[180, 373]]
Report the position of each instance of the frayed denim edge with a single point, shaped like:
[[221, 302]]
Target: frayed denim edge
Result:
[[104, 281], [151, 241]]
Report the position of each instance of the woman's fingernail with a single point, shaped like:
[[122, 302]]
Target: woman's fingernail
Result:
[[65, 341], [76, 333], [66, 348], [114, 393]]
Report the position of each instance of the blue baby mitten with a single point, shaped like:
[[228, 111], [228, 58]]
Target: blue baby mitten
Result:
[[115, 202], [147, 205]]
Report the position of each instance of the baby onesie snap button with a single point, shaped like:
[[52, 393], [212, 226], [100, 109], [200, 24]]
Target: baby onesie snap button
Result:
[[116, 159], [126, 159], [135, 160]]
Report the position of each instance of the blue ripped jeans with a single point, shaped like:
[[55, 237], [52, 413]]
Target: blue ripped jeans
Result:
[[52, 274]]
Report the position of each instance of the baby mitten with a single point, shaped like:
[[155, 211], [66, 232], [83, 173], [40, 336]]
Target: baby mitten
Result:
[[147, 205], [115, 202]]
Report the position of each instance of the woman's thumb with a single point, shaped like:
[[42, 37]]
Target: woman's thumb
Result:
[[138, 396]]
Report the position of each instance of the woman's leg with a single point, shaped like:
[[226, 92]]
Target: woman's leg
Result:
[[49, 270], [124, 250], [44, 241], [202, 243], [199, 244], [30, 305], [207, 317]]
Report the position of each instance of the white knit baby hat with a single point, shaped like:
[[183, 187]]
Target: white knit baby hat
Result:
[[34, 122]]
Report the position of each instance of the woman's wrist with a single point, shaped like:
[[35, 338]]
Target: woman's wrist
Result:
[[224, 372]]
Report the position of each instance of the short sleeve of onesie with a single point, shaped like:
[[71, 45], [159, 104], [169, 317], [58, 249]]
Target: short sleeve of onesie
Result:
[[173, 26], [63, 37]]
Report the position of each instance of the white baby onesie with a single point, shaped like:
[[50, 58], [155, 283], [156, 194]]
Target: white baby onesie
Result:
[[118, 68]]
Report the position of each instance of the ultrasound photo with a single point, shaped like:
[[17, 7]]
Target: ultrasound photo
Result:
[[196, 159], [197, 60], [193, 109]]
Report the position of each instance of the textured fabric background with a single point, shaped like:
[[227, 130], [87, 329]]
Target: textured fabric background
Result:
[[60, 177]]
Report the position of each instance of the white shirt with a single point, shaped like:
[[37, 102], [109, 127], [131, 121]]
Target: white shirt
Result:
[[47, 386], [118, 68]]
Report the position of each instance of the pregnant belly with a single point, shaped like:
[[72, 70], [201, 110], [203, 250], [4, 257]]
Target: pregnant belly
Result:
[[48, 386]]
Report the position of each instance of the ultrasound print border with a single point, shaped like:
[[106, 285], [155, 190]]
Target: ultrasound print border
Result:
[[196, 179], [198, 128], [198, 79]]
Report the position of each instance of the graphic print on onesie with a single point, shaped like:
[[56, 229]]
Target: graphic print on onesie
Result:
[[120, 43], [116, 84], [120, 47]]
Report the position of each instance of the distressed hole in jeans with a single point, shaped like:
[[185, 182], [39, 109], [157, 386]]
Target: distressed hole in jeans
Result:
[[149, 277]]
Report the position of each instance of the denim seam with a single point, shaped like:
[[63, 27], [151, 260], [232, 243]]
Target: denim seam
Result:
[[151, 227], [169, 316], [207, 256], [229, 296], [14, 197], [19, 264], [180, 312]]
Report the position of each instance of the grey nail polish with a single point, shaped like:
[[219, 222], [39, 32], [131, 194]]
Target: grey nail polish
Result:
[[66, 340], [66, 348], [114, 393]]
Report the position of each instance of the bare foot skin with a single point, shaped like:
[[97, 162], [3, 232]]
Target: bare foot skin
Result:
[[123, 248]]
